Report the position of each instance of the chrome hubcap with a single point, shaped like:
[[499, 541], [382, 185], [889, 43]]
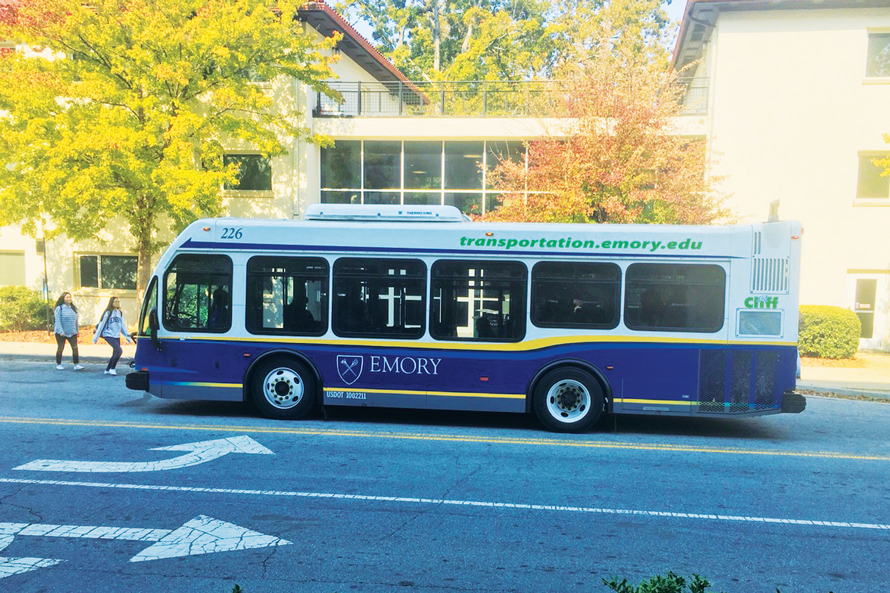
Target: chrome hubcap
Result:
[[568, 401], [283, 388]]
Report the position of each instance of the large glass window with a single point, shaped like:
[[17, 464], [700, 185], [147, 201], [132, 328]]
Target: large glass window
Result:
[[582, 295], [287, 295], [674, 297], [871, 184], [254, 172], [878, 60], [341, 165], [382, 165], [473, 300], [109, 272], [414, 172], [12, 268], [151, 302], [379, 297], [463, 165], [197, 293], [423, 165]]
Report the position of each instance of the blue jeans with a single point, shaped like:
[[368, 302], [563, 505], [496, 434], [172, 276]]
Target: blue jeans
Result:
[[115, 344]]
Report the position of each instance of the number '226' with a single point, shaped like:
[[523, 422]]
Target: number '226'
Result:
[[231, 233]]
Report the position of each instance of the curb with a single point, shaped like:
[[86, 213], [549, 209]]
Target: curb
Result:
[[818, 389]]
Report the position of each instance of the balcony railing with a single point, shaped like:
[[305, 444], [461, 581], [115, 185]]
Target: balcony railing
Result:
[[465, 99], [456, 99]]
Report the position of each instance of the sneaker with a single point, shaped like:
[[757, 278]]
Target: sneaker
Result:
[[60, 367], [111, 372], [77, 367], [106, 372]]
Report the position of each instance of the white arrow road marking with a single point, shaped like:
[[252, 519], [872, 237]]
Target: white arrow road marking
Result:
[[201, 535], [205, 535], [200, 452], [11, 566]]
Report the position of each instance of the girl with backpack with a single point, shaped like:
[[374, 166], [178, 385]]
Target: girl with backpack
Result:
[[111, 327], [66, 323]]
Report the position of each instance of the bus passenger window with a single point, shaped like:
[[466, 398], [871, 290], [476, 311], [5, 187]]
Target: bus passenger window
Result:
[[379, 297], [196, 293], [675, 297], [287, 295], [478, 300], [576, 295]]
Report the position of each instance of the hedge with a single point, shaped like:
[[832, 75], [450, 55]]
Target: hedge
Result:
[[828, 332], [21, 309]]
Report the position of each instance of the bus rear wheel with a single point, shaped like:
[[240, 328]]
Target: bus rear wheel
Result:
[[283, 389], [568, 400]]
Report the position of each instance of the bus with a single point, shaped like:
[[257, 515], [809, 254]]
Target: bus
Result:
[[418, 307]]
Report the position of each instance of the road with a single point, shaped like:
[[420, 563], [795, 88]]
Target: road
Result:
[[100, 490]]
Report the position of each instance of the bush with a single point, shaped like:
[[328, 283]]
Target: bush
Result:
[[660, 584], [21, 309], [828, 332]]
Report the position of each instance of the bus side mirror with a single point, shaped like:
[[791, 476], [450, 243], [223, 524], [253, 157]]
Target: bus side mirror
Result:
[[153, 326]]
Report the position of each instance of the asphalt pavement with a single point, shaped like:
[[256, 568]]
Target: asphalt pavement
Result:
[[868, 382]]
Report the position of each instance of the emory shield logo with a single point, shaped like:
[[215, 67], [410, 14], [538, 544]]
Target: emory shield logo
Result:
[[350, 368]]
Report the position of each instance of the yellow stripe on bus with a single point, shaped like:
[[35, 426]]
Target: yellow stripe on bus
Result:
[[535, 344], [672, 402], [437, 393]]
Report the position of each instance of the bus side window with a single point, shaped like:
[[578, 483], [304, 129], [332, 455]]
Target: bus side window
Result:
[[675, 297], [196, 293], [478, 300], [576, 295], [287, 295]]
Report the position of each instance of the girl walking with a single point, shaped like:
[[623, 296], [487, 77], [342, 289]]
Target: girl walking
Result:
[[111, 327], [66, 325]]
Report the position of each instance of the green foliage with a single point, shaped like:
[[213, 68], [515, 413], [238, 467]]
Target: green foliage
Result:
[[237, 589], [660, 584], [828, 332], [128, 110], [21, 309]]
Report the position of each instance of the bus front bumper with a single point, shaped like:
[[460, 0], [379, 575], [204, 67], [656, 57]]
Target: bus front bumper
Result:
[[792, 402], [138, 381]]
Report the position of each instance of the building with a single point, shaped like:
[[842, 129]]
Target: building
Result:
[[797, 108], [790, 94]]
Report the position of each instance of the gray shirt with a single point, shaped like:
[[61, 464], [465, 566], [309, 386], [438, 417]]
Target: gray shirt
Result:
[[65, 320]]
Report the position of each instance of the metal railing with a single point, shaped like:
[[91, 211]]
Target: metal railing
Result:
[[456, 99], [466, 99]]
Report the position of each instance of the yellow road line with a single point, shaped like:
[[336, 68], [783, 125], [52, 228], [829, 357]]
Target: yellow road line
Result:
[[543, 441]]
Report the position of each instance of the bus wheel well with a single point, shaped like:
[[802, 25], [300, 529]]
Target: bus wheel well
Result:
[[569, 364], [281, 354]]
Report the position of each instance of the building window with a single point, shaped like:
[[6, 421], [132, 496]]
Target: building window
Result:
[[871, 184], [12, 268], [878, 61], [254, 172], [108, 272], [415, 172]]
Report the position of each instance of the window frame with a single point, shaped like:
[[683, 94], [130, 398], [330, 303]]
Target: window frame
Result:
[[163, 287], [337, 276], [521, 315], [100, 285], [870, 201], [253, 275], [868, 56], [630, 282], [238, 191], [616, 294]]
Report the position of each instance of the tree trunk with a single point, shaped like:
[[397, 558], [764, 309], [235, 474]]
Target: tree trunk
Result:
[[144, 251], [436, 31]]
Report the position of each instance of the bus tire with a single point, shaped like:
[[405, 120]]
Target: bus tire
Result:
[[283, 388], [568, 400]]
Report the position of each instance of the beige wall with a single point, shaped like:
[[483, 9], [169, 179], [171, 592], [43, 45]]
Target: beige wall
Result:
[[790, 113]]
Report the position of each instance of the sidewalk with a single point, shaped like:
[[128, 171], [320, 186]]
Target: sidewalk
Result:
[[870, 382]]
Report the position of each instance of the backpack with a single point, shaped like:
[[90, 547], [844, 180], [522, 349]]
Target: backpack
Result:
[[96, 330]]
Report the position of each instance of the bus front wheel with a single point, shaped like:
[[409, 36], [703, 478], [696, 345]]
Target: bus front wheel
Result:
[[568, 400], [284, 389]]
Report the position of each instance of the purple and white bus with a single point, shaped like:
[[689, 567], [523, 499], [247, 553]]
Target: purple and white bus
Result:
[[416, 307]]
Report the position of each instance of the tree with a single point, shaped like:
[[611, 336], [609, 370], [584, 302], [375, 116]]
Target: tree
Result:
[[458, 39], [621, 160], [128, 111]]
